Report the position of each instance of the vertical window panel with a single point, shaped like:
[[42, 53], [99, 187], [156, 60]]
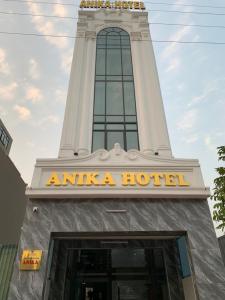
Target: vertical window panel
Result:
[[127, 65], [98, 140], [99, 108], [100, 62], [114, 98], [115, 137], [129, 98], [132, 140], [114, 62], [115, 119]]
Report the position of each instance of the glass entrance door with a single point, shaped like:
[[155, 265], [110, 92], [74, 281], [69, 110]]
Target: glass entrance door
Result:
[[115, 273], [114, 269]]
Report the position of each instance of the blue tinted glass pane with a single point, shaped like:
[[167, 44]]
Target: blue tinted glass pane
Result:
[[114, 98], [115, 126], [129, 99], [101, 40], [99, 98], [114, 137], [131, 127], [115, 119], [127, 65], [125, 41], [113, 38], [132, 140], [98, 140], [184, 261], [100, 62], [131, 119], [114, 62], [99, 127], [99, 119]]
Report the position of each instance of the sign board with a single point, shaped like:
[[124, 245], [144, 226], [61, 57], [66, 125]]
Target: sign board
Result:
[[156, 179], [113, 5], [31, 260]]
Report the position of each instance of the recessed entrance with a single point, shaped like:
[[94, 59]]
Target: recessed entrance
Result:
[[114, 269]]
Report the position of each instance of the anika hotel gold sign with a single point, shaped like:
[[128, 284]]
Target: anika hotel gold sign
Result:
[[113, 5], [31, 260], [125, 179]]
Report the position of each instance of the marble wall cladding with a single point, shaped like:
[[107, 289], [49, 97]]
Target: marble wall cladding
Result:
[[96, 215]]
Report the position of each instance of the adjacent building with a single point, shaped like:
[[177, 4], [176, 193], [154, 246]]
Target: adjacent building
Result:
[[12, 210], [115, 216]]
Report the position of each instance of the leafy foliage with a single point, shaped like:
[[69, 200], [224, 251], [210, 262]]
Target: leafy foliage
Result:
[[219, 192]]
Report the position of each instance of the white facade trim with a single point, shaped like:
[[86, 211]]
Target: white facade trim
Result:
[[77, 128]]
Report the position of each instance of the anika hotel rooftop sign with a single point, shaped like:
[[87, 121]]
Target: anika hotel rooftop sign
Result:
[[113, 5]]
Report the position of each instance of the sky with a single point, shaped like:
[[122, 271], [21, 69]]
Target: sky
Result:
[[34, 75]]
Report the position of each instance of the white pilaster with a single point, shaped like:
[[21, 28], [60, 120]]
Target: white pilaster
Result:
[[87, 96], [71, 118]]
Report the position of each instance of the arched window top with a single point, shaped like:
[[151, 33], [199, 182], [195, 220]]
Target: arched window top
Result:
[[115, 119], [112, 31]]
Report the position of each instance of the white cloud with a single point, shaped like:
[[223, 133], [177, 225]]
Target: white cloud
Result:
[[30, 144], [34, 69], [210, 143], [188, 120], [47, 28], [2, 111], [172, 47], [60, 10], [67, 60], [60, 95], [50, 119], [173, 65], [7, 92], [191, 139], [4, 66], [212, 87], [33, 94], [23, 112]]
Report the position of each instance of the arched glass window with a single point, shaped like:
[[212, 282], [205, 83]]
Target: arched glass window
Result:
[[115, 118]]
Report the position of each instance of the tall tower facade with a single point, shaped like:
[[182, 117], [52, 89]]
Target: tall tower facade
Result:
[[116, 216]]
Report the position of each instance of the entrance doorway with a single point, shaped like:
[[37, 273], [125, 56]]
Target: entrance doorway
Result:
[[114, 269]]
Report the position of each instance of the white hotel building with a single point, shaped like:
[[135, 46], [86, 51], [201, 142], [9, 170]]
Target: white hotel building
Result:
[[115, 214]]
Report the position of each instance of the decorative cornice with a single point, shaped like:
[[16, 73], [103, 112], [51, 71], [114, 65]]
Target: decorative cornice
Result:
[[90, 34], [136, 36]]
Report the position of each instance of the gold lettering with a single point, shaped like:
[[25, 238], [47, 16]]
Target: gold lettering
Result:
[[156, 178], [91, 4], [117, 4], [130, 3], [142, 6], [53, 180], [99, 4], [68, 178], [128, 179], [181, 180], [136, 5], [170, 179], [142, 179], [107, 4], [91, 179], [125, 4], [83, 4], [80, 181], [108, 179]]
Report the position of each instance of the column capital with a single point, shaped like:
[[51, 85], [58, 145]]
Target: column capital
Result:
[[136, 36], [90, 34]]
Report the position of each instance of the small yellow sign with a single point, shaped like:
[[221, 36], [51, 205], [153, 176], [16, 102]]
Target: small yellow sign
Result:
[[31, 260]]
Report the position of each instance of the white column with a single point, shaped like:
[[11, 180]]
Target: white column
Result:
[[87, 97], [71, 117], [145, 138], [158, 128]]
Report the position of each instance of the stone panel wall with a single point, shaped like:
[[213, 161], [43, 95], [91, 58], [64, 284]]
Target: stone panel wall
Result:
[[91, 215]]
